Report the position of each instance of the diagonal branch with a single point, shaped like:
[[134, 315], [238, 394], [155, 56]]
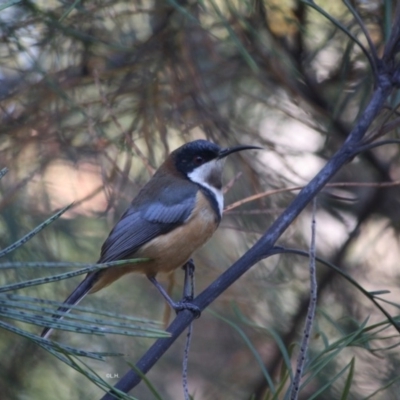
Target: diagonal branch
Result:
[[264, 247]]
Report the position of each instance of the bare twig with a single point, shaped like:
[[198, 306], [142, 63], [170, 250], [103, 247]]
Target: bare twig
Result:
[[374, 56], [330, 185], [188, 293], [230, 184], [294, 391], [371, 60], [185, 363]]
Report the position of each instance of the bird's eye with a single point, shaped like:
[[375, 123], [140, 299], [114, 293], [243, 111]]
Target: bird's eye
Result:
[[198, 160]]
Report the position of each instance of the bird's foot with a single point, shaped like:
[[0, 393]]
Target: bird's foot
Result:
[[186, 304]]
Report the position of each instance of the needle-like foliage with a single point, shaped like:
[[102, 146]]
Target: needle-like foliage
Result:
[[94, 95]]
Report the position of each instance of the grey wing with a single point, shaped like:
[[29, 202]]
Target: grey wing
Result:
[[142, 223]]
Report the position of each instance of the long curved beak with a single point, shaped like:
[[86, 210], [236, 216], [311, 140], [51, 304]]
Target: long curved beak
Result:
[[225, 152]]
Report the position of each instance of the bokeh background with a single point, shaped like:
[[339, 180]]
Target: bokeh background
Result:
[[94, 95]]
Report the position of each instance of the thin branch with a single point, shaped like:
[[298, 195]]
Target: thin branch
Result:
[[185, 363], [383, 130], [371, 60], [366, 293], [188, 294], [310, 313], [374, 56], [378, 144], [393, 42], [328, 185]]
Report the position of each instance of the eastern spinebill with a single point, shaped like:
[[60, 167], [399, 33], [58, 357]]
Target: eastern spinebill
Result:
[[173, 215]]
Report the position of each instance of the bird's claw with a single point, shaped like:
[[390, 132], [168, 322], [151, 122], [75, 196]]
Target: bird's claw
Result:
[[185, 304]]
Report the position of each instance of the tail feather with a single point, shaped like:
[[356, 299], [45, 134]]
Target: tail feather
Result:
[[73, 299]]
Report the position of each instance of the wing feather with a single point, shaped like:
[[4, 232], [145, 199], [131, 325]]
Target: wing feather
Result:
[[144, 221]]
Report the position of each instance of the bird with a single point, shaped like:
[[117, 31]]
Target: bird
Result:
[[174, 214]]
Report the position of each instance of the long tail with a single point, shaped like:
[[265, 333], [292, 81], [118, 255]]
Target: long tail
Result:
[[74, 298]]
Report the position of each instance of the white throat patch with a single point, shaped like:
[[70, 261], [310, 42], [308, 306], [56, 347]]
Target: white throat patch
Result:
[[203, 176]]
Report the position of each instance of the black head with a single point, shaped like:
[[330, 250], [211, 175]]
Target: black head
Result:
[[194, 154], [202, 163]]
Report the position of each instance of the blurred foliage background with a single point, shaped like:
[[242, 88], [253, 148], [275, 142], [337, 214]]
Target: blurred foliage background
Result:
[[95, 94]]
